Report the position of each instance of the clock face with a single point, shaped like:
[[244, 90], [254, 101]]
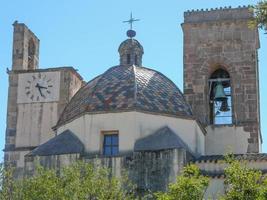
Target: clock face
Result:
[[38, 87]]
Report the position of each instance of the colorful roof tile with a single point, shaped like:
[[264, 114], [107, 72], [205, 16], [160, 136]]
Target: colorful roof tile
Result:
[[126, 88]]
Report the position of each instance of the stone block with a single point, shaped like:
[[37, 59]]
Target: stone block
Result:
[[227, 43]]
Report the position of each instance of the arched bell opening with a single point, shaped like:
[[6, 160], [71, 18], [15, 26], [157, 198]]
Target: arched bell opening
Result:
[[31, 54], [220, 98]]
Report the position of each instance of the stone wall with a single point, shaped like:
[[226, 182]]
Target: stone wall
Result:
[[30, 124], [216, 39], [215, 165], [22, 37], [155, 170], [11, 113], [148, 170], [224, 139], [56, 162], [217, 14]]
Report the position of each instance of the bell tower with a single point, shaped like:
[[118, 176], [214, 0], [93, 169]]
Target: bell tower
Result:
[[36, 98], [221, 77], [25, 48]]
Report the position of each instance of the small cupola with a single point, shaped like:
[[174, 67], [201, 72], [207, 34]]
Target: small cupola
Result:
[[130, 50]]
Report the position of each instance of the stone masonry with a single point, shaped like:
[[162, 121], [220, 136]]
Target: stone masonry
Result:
[[221, 38], [25, 60]]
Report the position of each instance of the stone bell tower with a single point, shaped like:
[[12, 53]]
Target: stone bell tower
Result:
[[25, 48], [221, 49], [25, 57], [36, 98]]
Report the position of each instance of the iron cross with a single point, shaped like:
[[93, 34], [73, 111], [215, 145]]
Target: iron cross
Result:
[[131, 21]]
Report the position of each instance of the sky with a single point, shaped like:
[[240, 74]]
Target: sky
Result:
[[86, 34]]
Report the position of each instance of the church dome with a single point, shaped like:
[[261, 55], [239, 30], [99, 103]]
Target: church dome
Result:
[[127, 88]]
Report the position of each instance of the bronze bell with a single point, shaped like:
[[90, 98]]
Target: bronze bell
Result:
[[219, 93]]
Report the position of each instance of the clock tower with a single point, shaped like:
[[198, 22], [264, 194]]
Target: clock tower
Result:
[[36, 97]]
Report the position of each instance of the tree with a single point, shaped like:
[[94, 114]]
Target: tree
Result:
[[190, 185], [7, 184], [242, 182], [79, 181], [260, 14]]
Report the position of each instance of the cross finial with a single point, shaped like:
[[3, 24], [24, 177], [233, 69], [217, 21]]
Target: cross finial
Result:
[[131, 21]]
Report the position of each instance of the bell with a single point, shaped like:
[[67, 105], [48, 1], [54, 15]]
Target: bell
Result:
[[224, 106], [219, 93]]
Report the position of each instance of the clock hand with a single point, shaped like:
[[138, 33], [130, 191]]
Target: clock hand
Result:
[[40, 91], [42, 87], [39, 88]]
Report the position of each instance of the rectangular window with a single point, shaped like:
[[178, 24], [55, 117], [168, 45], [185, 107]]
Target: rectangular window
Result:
[[111, 144]]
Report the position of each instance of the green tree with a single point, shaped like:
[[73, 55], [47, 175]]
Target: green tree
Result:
[[242, 182], [190, 185], [7, 185], [260, 14], [79, 181]]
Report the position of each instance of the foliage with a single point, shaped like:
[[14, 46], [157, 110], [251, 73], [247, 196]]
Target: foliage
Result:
[[190, 185], [260, 13], [8, 188], [82, 181], [242, 182], [79, 181]]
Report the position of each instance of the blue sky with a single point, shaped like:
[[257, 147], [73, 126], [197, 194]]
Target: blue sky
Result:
[[86, 34]]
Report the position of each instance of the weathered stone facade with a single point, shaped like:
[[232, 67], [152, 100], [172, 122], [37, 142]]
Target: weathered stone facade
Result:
[[33, 121], [149, 170], [25, 48], [216, 39], [154, 129]]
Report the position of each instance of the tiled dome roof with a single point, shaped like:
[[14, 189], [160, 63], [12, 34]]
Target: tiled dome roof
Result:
[[126, 88]]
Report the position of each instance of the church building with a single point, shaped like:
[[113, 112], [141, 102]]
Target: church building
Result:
[[135, 118]]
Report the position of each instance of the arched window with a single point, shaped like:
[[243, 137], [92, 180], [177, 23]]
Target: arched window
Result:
[[31, 54], [220, 97]]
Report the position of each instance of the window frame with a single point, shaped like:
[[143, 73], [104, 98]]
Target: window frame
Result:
[[103, 145]]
